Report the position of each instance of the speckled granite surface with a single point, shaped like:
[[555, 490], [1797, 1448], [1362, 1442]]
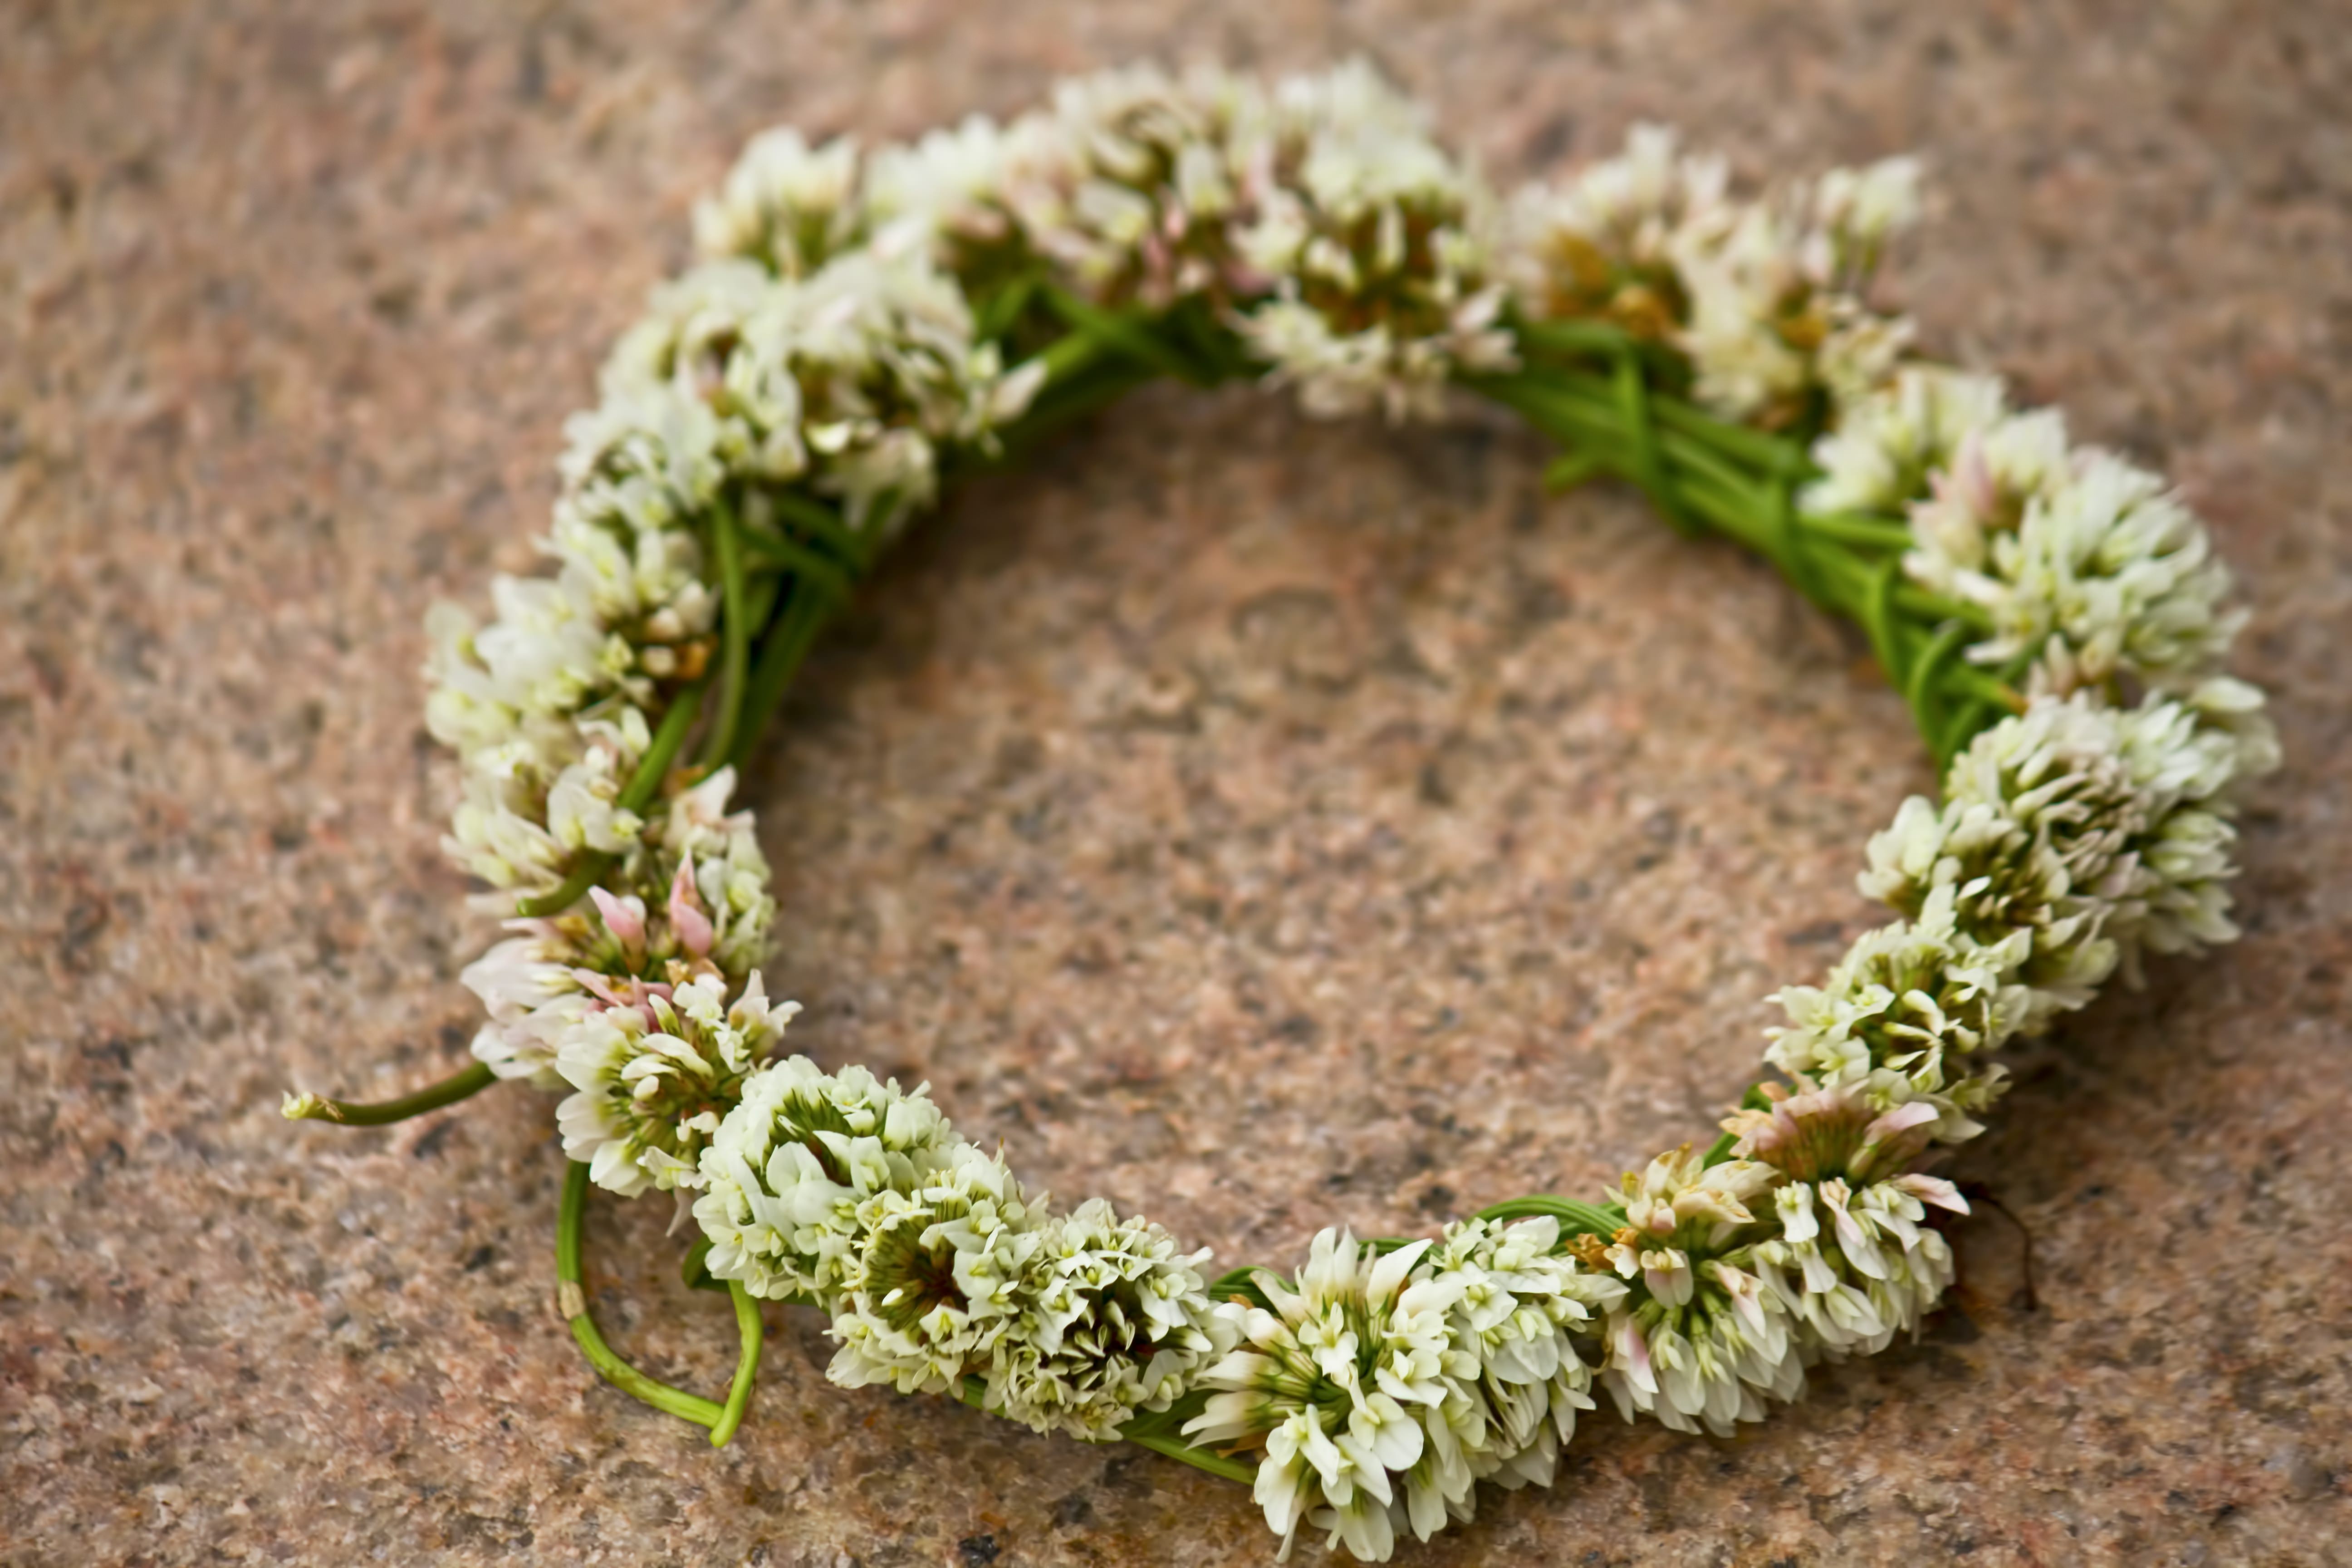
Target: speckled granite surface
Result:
[[1265, 823]]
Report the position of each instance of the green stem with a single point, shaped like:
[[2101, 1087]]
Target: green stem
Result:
[[823, 523], [734, 632], [1737, 481], [1573, 337], [1068, 356], [635, 795], [1199, 1458], [1769, 454], [449, 1091], [787, 644], [1575, 1218], [801, 562], [574, 1298], [1853, 528], [1003, 308], [1921, 691], [747, 1365], [1126, 333]]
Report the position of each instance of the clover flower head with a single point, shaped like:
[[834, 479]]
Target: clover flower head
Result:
[[1699, 1341], [2135, 805], [1518, 1377], [1836, 1131], [1679, 1197], [933, 1287], [786, 1177], [1597, 244], [1886, 449], [944, 188], [652, 1080], [1332, 1379], [2107, 573], [1920, 997], [1372, 247], [1854, 1265], [783, 204], [1113, 1320], [1774, 315]]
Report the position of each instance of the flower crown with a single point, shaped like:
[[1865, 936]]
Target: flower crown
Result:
[[862, 329]]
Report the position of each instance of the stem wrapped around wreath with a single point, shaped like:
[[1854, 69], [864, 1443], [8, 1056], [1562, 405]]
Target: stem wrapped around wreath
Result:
[[862, 333]]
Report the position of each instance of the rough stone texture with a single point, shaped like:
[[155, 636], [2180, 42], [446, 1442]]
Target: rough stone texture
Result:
[[1270, 824]]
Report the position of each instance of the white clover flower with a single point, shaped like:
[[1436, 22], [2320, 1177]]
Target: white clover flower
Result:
[[933, 1287], [2134, 803], [645, 582], [545, 652], [947, 186], [1861, 352], [1977, 487], [2107, 571], [530, 985], [1106, 181], [496, 833], [1597, 244], [1113, 1320], [466, 709], [852, 377], [721, 874], [1887, 449], [652, 1080], [1857, 211], [1839, 1131], [1770, 295], [787, 1175], [1920, 997], [1704, 1339], [1873, 1272], [1522, 1306], [2082, 560], [1332, 1382], [782, 204], [1336, 377], [2002, 878], [1372, 243], [1123, 183], [583, 808]]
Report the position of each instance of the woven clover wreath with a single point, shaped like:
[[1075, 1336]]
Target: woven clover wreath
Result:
[[861, 331]]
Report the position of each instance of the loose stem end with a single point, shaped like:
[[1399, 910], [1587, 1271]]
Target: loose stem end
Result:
[[432, 1096]]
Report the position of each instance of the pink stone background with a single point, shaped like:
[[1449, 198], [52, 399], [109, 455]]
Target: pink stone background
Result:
[[1266, 824]]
